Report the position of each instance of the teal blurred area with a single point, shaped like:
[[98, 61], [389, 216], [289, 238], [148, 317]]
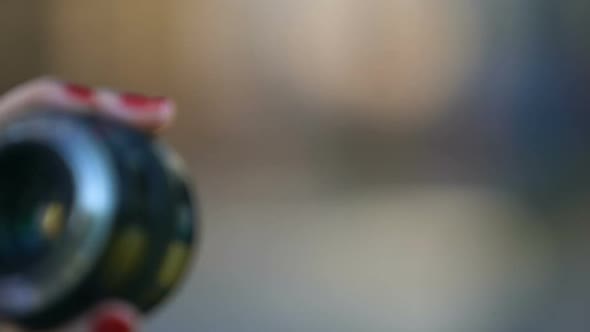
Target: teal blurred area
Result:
[[378, 165]]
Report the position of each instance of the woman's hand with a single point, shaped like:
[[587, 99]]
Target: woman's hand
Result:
[[146, 113]]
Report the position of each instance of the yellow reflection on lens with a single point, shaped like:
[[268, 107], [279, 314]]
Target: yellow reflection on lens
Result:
[[171, 270], [173, 265], [53, 220], [124, 256]]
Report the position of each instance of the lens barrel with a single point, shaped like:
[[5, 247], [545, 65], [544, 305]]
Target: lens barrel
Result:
[[90, 209]]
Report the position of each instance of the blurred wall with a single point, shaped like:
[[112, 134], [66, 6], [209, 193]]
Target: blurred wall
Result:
[[21, 41], [123, 44]]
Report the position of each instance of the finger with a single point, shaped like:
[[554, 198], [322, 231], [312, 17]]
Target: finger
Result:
[[108, 317], [149, 113], [43, 91], [143, 112], [114, 317]]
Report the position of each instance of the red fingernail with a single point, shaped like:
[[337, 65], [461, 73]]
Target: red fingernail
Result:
[[79, 92], [112, 323], [141, 103]]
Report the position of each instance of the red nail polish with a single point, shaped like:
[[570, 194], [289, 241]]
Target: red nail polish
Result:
[[112, 323], [79, 92], [139, 102]]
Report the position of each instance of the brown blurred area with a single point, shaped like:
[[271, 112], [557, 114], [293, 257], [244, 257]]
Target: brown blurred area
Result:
[[305, 123], [21, 42]]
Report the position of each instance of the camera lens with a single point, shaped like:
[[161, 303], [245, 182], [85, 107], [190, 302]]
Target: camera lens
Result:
[[90, 210], [35, 197]]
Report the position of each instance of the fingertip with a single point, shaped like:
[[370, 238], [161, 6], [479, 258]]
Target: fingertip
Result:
[[114, 317], [148, 113], [167, 111], [138, 105], [79, 92]]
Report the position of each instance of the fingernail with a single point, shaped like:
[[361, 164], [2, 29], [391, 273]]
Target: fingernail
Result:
[[140, 102], [79, 92], [112, 323]]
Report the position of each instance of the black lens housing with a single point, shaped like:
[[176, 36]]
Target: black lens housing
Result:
[[130, 220]]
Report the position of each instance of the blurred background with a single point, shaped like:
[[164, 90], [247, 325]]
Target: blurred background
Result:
[[377, 165]]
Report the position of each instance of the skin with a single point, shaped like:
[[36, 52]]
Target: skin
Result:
[[150, 116]]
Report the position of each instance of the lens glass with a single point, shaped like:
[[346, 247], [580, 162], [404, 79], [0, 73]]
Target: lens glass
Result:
[[36, 191]]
